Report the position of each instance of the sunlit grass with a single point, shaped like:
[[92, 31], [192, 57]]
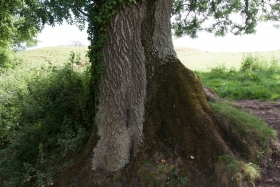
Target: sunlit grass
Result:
[[205, 61], [248, 127], [191, 58], [256, 79], [55, 55]]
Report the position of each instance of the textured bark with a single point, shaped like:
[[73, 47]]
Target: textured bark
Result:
[[162, 37], [122, 91], [177, 115], [144, 83]]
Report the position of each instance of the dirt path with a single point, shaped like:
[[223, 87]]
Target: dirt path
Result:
[[269, 112]]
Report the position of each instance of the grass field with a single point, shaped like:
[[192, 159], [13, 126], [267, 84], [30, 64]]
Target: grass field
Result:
[[205, 61], [55, 55], [191, 58], [218, 70]]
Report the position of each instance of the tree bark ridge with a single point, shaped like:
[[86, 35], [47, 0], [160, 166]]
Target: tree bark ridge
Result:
[[122, 91]]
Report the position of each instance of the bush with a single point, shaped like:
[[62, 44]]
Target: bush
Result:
[[8, 59], [43, 124], [251, 63]]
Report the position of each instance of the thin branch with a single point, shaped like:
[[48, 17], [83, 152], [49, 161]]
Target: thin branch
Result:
[[81, 11]]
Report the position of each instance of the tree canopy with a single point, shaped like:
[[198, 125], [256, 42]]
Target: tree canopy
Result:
[[19, 22], [22, 20], [223, 16]]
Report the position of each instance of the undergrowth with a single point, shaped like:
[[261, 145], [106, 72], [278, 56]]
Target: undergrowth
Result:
[[235, 173], [8, 59], [158, 174], [256, 79], [253, 136], [44, 121]]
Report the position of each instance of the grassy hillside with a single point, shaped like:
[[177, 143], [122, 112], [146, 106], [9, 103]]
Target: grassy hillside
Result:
[[55, 55], [205, 61], [218, 70], [191, 58]]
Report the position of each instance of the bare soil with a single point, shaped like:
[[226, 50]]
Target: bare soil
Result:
[[270, 113]]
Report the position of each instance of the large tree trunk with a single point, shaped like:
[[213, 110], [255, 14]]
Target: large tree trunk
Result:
[[122, 91], [149, 103], [145, 84]]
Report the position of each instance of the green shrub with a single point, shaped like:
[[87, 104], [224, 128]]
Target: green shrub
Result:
[[44, 120], [251, 63], [8, 59]]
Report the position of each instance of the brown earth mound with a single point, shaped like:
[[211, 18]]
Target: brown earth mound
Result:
[[270, 113]]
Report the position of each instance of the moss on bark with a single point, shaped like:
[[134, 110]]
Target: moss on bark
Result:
[[179, 117], [178, 124]]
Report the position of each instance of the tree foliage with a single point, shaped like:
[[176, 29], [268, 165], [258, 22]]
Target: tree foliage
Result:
[[19, 21], [222, 16], [19, 25], [22, 20]]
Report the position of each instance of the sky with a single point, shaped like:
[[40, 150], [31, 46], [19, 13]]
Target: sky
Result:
[[267, 38]]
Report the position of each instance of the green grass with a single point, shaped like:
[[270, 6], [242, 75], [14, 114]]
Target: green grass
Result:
[[252, 136], [192, 58], [247, 127], [54, 55], [256, 79], [232, 171]]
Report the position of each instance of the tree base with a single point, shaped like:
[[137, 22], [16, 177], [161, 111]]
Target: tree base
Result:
[[183, 139], [181, 142]]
